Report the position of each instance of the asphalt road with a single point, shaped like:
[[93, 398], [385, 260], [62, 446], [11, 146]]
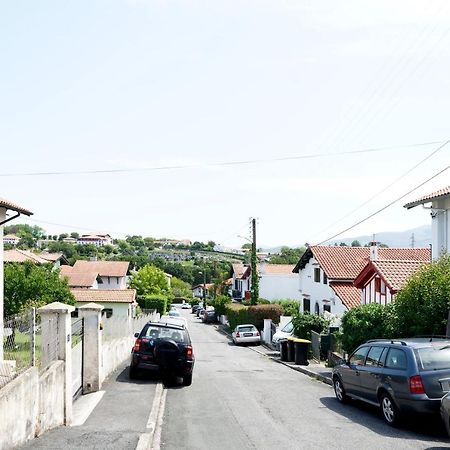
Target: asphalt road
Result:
[[241, 399]]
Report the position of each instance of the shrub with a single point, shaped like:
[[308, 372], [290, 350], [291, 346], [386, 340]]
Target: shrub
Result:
[[220, 303], [155, 302], [240, 314], [237, 315], [290, 307], [304, 323], [193, 301], [366, 322]]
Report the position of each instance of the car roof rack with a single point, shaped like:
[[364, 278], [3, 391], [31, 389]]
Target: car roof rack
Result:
[[169, 324], [392, 341]]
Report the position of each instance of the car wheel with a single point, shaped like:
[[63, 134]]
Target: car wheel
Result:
[[339, 390], [389, 410], [132, 373], [187, 380]]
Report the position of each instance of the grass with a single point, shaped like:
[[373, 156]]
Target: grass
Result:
[[21, 352]]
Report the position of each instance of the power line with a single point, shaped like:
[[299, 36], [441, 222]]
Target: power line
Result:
[[387, 187], [218, 164], [386, 206]]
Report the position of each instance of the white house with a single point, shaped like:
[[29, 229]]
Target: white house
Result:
[[438, 204], [278, 281], [99, 240], [241, 282], [11, 239], [326, 274], [197, 290], [116, 302]]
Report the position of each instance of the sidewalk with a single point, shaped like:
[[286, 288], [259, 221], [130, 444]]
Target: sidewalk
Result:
[[313, 370]]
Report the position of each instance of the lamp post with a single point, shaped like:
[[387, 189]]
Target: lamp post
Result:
[[204, 288]]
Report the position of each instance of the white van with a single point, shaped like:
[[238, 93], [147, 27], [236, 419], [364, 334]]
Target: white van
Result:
[[284, 333]]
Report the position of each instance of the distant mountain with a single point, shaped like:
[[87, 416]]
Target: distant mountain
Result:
[[422, 238]]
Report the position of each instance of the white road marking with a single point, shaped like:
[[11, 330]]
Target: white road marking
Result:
[[152, 439], [84, 406]]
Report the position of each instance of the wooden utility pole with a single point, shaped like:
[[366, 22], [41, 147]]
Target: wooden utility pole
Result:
[[255, 279]]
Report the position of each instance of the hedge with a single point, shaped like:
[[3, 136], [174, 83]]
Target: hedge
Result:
[[156, 302], [220, 304], [290, 307], [240, 314]]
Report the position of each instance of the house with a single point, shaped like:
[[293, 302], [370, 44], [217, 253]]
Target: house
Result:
[[277, 281], [19, 256], [197, 290], [379, 281], [111, 274], [241, 285], [326, 274], [11, 239], [438, 203], [58, 259], [116, 302], [82, 279], [99, 240]]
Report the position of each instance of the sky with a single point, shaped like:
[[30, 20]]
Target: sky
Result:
[[208, 113]]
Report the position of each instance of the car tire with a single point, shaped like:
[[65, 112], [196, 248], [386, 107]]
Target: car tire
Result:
[[132, 373], [339, 390], [187, 380], [389, 410]]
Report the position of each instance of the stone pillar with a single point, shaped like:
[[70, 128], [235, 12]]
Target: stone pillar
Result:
[[92, 347], [267, 334], [59, 314], [2, 218]]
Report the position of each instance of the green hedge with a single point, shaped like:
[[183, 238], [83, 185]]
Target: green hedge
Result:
[[157, 302], [290, 307], [241, 314], [220, 304], [304, 323]]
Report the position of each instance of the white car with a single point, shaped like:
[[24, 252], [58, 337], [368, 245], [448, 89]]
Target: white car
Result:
[[185, 306], [174, 320], [246, 334], [284, 333]]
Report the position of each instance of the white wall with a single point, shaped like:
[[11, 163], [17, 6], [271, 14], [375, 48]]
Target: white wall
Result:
[[317, 292], [370, 296], [440, 226], [113, 283], [279, 286], [115, 352]]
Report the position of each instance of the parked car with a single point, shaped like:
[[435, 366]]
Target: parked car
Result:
[[185, 306], [165, 348], [284, 333], [176, 320], [195, 308], [209, 316], [200, 312], [407, 376], [246, 334], [174, 313], [445, 411]]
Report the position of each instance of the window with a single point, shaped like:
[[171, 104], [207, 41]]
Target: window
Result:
[[377, 284], [288, 328], [374, 357], [317, 309], [108, 312], [317, 274], [325, 278], [396, 359], [383, 288], [357, 359], [327, 308], [436, 357], [306, 305]]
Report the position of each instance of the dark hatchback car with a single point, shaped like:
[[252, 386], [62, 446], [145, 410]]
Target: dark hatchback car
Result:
[[165, 348], [408, 376]]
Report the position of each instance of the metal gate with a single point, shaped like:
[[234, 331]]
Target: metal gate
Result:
[[315, 345], [77, 356]]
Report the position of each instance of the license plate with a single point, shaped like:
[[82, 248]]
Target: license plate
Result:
[[445, 385], [248, 334]]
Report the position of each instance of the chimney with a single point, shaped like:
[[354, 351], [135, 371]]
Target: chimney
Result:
[[373, 251]]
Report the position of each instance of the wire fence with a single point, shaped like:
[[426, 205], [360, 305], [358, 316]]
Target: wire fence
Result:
[[117, 327], [21, 345]]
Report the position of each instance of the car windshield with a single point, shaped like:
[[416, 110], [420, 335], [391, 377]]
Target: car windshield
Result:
[[246, 329], [433, 358], [288, 328], [174, 313], [163, 333]]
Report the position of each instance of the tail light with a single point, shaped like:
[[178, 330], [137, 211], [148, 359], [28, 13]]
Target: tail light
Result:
[[137, 345], [189, 352], [237, 334], [416, 385], [257, 333]]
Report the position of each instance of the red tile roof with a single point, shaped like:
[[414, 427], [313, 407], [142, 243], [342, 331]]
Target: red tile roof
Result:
[[104, 295], [103, 268], [349, 294], [394, 273], [429, 197], [20, 256], [241, 271], [78, 279], [10, 205], [345, 263]]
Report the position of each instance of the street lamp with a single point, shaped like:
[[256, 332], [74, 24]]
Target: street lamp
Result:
[[204, 288]]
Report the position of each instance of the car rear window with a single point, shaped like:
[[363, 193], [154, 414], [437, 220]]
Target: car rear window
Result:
[[435, 357], [246, 329], [165, 333]]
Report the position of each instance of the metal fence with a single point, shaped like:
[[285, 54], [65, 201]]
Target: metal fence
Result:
[[21, 345], [117, 327], [315, 345]]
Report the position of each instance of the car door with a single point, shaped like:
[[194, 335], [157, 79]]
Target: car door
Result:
[[371, 372], [350, 372]]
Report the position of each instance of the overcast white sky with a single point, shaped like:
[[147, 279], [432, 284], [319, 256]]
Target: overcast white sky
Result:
[[122, 84]]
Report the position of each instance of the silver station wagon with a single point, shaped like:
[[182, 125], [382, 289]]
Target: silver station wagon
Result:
[[399, 376]]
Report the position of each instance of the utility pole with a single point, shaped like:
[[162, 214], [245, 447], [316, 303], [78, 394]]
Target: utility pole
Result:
[[253, 261], [413, 240]]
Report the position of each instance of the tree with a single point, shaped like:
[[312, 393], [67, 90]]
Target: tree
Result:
[[288, 255], [28, 284], [149, 281], [180, 288], [356, 243], [74, 235], [62, 236]]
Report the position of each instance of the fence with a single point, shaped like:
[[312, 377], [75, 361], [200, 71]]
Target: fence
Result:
[[21, 345], [315, 345]]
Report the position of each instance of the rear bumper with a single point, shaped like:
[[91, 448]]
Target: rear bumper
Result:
[[422, 405], [247, 340], [179, 368]]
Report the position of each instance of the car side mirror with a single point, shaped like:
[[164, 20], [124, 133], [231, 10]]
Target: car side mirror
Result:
[[136, 335]]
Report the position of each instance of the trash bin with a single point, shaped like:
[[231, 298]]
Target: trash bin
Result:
[[283, 350], [290, 349], [301, 351]]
